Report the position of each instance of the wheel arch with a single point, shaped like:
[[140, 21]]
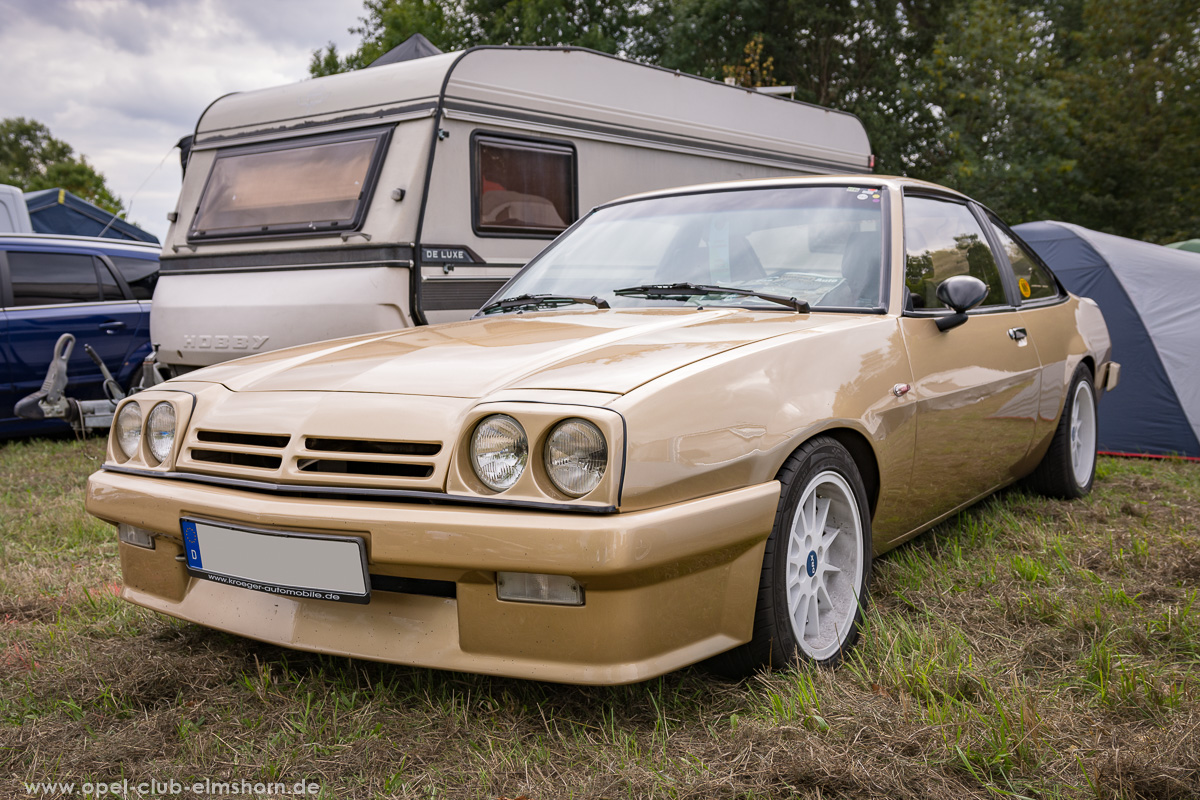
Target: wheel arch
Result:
[[860, 450]]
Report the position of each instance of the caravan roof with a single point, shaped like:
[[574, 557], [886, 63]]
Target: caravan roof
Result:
[[587, 92]]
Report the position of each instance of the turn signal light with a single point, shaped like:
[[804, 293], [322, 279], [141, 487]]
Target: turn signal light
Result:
[[527, 587], [135, 536]]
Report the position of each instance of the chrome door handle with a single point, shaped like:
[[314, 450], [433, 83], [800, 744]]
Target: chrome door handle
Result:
[[112, 327], [1017, 334]]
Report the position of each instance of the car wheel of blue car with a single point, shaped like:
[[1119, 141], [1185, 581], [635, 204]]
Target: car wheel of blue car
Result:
[[816, 571]]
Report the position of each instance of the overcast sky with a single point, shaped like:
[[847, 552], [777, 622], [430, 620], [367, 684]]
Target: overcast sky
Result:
[[122, 80]]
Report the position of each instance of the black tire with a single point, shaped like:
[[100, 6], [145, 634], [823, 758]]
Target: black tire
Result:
[[820, 470], [1060, 474]]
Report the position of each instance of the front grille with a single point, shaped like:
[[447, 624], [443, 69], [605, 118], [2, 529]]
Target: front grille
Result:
[[250, 439], [429, 588], [317, 460], [373, 447], [333, 466], [252, 460]]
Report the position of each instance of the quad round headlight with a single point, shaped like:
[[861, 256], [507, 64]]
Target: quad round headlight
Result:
[[576, 456], [499, 451], [160, 431], [129, 429]]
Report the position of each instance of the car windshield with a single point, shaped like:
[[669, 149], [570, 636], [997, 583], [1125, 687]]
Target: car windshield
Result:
[[821, 245]]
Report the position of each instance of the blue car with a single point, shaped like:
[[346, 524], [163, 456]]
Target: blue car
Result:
[[97, 289]]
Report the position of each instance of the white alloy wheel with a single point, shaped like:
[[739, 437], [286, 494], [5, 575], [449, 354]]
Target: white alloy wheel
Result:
[[824, 566], [1083, 433]]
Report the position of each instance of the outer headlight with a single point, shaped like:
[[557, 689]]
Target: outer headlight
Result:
[[160, 431], [129, 429], [576, 456], [499, 451]]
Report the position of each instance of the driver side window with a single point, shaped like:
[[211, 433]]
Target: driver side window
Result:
[[942, 239]]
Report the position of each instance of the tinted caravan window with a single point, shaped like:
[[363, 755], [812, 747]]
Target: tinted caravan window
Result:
[[523, 186], [308, 185]]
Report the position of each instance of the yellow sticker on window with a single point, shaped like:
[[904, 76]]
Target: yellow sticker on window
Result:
[[1024, 287]]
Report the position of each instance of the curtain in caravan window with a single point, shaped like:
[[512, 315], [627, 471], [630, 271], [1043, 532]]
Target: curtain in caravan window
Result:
[[523, 186]]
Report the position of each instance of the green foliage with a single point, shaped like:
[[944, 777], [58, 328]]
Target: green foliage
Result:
[[32, 159], [458, 24], [1005, 128], [1135, 86], [1078, 110]]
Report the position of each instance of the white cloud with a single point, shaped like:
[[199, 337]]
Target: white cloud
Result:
[[122, 80]]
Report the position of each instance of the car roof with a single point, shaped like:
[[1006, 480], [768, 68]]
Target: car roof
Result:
[[867, 179], [112, 247]]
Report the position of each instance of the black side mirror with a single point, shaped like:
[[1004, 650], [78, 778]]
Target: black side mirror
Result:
[[962, 293]]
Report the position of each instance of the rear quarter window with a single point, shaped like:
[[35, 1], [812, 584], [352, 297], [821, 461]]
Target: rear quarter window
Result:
[[140, 273]]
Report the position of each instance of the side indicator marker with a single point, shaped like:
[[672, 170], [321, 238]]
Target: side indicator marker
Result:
[[901, 389]]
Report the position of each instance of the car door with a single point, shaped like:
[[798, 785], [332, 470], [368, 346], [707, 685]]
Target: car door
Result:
[[8, 396], [54, 292], [976, 385], [1048, 326], [126, 326]]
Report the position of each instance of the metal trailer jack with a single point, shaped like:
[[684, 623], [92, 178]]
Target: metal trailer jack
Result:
[[85, 416]]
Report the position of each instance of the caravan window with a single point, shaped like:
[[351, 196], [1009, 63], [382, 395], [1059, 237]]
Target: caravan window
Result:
[[302, 186], [522, 186]]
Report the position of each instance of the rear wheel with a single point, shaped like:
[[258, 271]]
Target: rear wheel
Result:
[[1069, 466], [816, 566]]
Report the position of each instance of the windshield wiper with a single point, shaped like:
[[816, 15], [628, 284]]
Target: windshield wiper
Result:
[[655, 291], [542, 301]]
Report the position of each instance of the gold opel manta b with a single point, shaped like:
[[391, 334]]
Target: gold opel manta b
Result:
[[679, 434]]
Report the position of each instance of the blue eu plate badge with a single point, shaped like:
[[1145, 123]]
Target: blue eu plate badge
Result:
[[191, 543]]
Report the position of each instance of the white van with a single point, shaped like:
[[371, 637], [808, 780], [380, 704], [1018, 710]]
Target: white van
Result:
[[411, 192]]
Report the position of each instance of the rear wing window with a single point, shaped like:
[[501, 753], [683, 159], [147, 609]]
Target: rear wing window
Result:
[[313, 185]]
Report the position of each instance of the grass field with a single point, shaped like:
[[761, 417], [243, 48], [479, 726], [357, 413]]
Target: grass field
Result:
[[1026, 648]]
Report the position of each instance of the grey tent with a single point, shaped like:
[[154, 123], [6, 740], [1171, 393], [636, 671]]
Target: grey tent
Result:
[[1150, 296], [415, 46]]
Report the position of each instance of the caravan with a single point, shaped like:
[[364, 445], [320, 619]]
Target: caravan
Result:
[[409, 193]]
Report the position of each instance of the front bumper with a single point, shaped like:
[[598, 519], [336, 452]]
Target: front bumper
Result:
[[664, 587]]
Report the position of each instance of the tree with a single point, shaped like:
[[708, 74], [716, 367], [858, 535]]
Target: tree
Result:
[[1079, 110], [457, 24], [1135, 88], [1005, 132], [32, 159]]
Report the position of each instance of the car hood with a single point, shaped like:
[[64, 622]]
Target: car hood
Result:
[[611, 351]]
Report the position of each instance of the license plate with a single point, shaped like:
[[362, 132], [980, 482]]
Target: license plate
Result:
[[298, 565]]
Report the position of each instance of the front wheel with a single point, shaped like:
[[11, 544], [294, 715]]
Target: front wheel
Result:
[[1069, 466], [816, 566]]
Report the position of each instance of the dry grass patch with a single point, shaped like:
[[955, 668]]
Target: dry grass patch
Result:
[[1027, 648]]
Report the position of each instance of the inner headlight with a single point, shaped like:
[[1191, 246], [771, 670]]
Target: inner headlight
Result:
[[160, 431], [576, 456], [129, 429], [499, 451]]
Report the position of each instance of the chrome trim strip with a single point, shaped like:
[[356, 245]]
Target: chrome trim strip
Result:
[[395, 495]]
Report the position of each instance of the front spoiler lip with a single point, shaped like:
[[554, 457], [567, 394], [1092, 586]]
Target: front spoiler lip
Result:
[[361, 492]]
